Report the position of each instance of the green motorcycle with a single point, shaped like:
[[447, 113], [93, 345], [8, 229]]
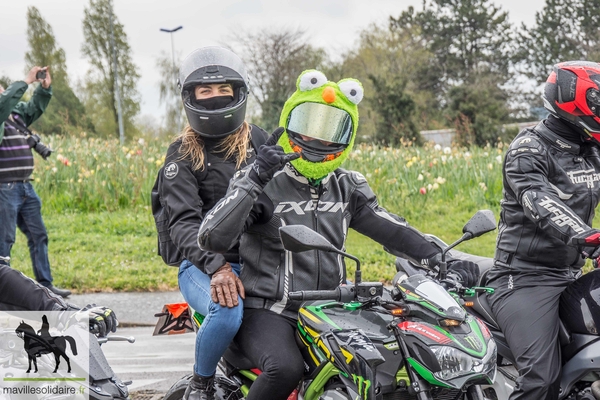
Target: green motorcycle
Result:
[[362, 341]]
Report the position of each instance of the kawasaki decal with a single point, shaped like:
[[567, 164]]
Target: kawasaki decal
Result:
[[424, 331]]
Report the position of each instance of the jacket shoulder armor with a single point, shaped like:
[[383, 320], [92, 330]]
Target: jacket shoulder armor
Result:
[[355, 177], [526, 143]]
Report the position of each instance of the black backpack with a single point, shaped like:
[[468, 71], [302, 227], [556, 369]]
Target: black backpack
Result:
[[166, 248]]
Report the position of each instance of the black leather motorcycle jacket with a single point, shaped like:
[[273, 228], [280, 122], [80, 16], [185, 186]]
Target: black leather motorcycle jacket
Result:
[[343, 200], [21, 293], [551, 190], [188, 194]]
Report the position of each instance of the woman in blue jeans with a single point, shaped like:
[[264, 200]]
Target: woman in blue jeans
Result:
[[199, 163]]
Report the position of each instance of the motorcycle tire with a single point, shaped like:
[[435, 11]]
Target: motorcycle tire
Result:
[[176, 391], [224, 390], [474, 393]]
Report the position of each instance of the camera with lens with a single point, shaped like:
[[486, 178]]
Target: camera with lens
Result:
[[41, 74], [35, 143]]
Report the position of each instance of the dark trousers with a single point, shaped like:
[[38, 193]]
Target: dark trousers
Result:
[[268, 340], [21, 206], [526, 307]]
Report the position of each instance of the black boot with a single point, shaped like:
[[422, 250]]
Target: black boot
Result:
[[200, 388]]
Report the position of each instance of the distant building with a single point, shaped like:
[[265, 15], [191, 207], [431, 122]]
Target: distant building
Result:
[[444, 137]]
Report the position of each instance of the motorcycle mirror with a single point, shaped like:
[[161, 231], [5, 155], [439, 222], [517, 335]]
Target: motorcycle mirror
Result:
[[482, 222], [299, 238], [399, 278]]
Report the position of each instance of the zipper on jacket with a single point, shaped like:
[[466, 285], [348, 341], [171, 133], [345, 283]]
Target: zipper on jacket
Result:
[[583, 165], [316, 228]]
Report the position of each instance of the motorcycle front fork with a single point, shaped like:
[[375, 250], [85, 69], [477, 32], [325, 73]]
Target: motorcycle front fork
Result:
[[418, 385]]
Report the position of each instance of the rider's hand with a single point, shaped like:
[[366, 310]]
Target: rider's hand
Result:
[[270, 158], [102, 320], [225, 287], [467, 272]]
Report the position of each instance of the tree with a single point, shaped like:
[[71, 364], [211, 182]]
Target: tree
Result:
[[468, 37], [100, 88], [169, 93], [472, 42], [465, 105], [395, 108], [5, 81], [564, 30], [65, 113], [275, 59], [401, 83]]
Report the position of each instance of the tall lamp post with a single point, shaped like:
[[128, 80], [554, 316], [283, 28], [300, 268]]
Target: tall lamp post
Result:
[[171, 31]]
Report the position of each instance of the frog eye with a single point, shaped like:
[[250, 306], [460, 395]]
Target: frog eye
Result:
[[312, 80], [353, 90]]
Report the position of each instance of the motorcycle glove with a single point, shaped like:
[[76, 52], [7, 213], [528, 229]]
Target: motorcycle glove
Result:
[[270, 158], [102, 320], [225, 286], [466, 272], [588, 244]]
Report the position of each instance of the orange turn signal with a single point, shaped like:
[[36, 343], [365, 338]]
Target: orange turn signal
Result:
[[400, 311]]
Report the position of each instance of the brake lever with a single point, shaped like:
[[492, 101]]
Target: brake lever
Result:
[[470, 292]]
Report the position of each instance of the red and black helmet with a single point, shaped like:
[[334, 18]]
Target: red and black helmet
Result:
[[572, 93]]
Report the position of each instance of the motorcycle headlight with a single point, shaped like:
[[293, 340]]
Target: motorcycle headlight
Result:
[[455, 363]]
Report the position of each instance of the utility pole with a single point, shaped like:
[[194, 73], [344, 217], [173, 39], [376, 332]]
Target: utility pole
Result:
[[171, 31], [116, 72]]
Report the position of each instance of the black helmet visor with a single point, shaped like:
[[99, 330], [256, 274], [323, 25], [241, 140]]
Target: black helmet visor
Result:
[[322, 122]]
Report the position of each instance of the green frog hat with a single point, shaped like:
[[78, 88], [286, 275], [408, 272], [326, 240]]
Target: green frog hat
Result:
[[320, 121]]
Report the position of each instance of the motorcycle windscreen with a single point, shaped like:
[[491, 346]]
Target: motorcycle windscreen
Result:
[[436, 295]]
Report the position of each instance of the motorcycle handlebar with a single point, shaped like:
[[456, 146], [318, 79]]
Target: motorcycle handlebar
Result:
[[341, 293]]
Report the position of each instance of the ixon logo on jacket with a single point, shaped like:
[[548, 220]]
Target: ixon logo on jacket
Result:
[[302, 207]]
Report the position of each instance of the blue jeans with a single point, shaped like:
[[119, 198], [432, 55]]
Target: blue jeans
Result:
[[21, 206], [220, 323]]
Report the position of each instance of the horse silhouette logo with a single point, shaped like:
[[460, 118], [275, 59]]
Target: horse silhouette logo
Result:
[[36, 344]]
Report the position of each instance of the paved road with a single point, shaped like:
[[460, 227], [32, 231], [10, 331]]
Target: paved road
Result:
[[132, 309], [153, 363]]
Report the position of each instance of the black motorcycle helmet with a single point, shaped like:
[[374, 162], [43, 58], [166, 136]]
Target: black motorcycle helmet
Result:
[[580, 304], [572, 92], [209, 65]]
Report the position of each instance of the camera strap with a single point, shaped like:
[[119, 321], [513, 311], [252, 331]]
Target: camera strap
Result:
[[18, 126]]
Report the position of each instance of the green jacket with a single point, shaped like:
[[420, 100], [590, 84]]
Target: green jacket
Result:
[[30, 110]]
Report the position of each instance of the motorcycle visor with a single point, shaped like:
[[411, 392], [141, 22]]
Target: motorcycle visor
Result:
[[321, 122]]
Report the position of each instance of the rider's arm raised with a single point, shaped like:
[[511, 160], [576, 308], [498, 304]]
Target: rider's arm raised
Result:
[[229, 218]]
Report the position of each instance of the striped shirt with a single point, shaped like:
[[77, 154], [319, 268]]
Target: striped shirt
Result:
[[16, 158]]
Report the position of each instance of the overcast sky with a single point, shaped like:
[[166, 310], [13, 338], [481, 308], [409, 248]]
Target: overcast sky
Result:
[[332, 24]]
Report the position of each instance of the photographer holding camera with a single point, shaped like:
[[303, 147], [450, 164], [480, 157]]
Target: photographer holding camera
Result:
[[19, 203]]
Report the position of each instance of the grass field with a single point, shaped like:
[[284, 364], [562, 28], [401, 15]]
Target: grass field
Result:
[[96, 197]]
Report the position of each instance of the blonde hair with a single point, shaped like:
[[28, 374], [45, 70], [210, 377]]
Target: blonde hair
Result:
[[234, 145]]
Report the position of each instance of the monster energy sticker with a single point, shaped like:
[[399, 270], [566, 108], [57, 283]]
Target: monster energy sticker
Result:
[[473, 342], [362, 385]]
